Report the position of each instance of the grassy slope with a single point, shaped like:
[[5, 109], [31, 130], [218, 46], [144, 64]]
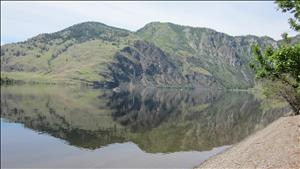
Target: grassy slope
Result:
[[62, 56]]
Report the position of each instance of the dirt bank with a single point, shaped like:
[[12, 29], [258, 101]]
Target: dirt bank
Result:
[[276, 146]]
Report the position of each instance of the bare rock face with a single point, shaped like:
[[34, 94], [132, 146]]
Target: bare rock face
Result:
[[147, 65]]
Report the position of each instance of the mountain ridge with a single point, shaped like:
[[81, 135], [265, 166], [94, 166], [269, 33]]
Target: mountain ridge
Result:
[[87, 52], [211, 29], [114, 27]]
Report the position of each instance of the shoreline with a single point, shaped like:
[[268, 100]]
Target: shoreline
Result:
[[276, 146]]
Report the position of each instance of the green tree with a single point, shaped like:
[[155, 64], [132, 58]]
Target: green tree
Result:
[[280, 67], [293, 7]]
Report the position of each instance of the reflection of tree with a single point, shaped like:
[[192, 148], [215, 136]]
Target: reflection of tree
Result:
[[156, 120]]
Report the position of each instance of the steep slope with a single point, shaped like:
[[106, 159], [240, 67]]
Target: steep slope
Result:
[[145, 64], [224, 57]]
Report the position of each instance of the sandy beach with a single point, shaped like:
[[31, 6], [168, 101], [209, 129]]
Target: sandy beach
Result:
[[276, 146]]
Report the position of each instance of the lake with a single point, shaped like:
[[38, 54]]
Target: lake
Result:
[[81, 127]]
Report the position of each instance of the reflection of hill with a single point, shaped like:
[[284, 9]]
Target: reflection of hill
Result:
[[156, 120], [171, 121], [144, 110], [71, 114]]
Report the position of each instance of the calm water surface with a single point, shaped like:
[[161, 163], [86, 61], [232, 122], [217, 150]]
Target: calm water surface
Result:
[[73, 127]]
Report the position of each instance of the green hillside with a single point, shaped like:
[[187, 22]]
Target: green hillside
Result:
[[205, 50], [76, 54], [159, 54]]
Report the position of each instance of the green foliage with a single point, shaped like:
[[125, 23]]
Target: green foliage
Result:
[[293, 7], [282, 65]]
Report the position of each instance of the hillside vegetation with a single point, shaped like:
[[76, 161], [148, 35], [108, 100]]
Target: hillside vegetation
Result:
[[159, 54], [78, 53]]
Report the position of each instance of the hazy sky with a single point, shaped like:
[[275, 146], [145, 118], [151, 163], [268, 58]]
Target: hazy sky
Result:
[[22, 20]]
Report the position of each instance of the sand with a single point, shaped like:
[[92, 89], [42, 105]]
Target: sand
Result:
[[276, 146]]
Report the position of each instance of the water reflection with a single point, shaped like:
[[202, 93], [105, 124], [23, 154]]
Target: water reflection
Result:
[[156, 120]]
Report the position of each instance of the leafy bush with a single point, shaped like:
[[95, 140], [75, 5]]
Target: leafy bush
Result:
[[282, 66]]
